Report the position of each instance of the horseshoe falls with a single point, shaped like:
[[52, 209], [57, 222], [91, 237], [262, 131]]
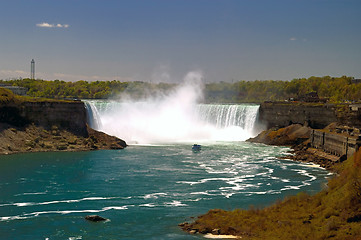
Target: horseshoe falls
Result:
[[161, 122]]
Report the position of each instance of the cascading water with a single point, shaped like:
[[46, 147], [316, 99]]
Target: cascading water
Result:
[[224, 116], [147, 123], [173, 118], [93, 117]]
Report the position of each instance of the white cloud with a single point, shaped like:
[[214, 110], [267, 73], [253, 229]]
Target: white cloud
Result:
[[48, 25], [44, 24], [10, 74], [293, 39]]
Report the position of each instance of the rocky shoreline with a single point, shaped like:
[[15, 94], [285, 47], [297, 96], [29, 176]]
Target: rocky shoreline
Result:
[[32, 138], [296, 137]]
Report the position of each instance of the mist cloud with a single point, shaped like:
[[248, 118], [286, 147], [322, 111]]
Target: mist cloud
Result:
[[51, 25]]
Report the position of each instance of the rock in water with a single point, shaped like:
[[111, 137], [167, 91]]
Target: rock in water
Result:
[[95, 218]]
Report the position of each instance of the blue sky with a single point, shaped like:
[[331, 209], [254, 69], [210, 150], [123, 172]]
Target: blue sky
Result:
[[162, 40]]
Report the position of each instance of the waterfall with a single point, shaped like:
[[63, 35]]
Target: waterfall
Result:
[[161, 122], [93, 117], [173, 117], [224, 116]]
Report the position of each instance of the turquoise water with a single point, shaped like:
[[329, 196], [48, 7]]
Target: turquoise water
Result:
[[144, 191]]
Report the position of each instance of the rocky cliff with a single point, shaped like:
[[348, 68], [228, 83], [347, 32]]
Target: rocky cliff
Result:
[[316, 115], [66, 115], [69, 115], [35, 125]]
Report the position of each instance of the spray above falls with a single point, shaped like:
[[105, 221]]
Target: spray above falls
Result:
[[176, 117]]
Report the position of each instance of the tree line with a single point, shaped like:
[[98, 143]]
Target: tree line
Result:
[[336, 89]]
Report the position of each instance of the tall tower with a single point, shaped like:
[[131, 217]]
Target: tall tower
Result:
[[32, 69]]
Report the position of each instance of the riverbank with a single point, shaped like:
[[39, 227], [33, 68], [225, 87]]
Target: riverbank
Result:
[[32, 138], [333, 213], [296, 137]]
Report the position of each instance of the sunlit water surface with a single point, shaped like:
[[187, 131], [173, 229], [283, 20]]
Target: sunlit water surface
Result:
[[144, 191]]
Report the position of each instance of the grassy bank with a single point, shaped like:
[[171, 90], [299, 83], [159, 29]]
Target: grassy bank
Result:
[[8, 97], [334, 213]]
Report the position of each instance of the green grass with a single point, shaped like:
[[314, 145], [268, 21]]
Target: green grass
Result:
[[8, 97], [334, 213]]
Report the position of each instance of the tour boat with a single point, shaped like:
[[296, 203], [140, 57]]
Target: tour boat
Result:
[[196, 147]]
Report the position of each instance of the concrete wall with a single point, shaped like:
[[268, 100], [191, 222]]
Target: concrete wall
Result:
[[335, 144]]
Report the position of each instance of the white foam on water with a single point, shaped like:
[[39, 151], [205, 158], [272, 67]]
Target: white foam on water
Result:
[[115, 208], [154, 195], [291, 187], [36, 214], [25, 204], [175, 203], [307, 174], [312, 165], [10, 218], [151, 205], [200, 193], [30, 193], [76, 238], [205, 180]]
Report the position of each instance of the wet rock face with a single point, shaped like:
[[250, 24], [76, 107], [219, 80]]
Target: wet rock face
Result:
[[95, 218]]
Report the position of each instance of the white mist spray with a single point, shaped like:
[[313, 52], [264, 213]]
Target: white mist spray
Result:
[[167, 119]]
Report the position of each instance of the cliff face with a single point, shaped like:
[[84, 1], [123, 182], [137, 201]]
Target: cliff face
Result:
[[42, 125], [317, 115], [66, 115], [30, 126]]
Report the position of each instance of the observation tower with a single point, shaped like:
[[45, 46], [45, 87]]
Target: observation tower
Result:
[[32, 69]]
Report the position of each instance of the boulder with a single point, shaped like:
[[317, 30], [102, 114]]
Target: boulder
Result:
[[95, 218], [288, 136]]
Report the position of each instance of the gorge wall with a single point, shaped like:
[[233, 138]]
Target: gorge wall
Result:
[[70, 115], [316, 115]]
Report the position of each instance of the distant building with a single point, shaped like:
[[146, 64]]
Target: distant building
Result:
[[22, 91], [309, 97], [355, 81], [355, 107]]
